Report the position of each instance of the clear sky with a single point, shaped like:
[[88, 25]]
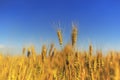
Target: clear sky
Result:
[[23, 22]]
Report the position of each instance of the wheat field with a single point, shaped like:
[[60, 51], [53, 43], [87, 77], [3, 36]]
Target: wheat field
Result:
[[68, 63]]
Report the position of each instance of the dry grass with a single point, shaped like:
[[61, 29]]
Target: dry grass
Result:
[[64, 64]]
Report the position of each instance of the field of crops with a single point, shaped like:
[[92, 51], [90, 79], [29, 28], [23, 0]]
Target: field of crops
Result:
[[64, 64]]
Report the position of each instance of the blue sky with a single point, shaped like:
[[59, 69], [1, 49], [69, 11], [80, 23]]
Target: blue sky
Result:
[[25, 22]]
